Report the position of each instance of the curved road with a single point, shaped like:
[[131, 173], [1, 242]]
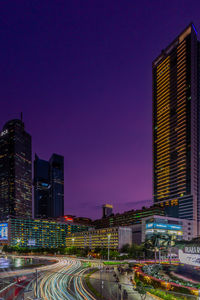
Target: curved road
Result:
[[63, 282]]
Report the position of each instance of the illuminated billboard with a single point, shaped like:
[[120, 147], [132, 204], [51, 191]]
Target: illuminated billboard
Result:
[[3, 231], [163, 226]]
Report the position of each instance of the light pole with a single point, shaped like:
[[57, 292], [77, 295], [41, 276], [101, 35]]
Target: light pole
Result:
[[109, 235], [73, 241]]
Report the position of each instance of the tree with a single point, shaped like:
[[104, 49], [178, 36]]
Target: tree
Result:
[[104, 253], [125, 248], [140, 288], [113, 254], [97, 249], [136, 251]]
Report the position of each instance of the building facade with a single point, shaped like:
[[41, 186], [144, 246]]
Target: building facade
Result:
[[41, 188], [176, 127], [56, 163], [15, 170], [49, 187], [36, 233], [107, 210], [114, 237], [127, 218], [178, 229]]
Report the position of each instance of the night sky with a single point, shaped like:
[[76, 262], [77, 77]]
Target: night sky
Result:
[[81, 73]]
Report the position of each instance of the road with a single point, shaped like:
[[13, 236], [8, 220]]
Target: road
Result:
[[61, 280], [104, 282], [66, 281]]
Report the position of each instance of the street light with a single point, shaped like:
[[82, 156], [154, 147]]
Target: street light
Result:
[[109, 235], [73, 241]]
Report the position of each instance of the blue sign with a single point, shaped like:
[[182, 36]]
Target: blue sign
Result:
[[31, 242], [164, 226], [150, 225], [3, 231]]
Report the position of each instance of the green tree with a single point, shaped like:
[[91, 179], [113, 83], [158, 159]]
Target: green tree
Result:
[[140, 288], [125, 248], [136, 251]]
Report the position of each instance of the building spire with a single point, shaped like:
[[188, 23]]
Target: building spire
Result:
[[21, 116]]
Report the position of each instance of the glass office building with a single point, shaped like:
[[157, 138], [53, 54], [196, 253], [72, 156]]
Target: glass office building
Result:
[[49, 187], [15, 170], [176, 127], [41, 188]]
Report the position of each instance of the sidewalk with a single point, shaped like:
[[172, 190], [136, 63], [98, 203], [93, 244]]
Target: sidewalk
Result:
[[105, 283], [128, 286]]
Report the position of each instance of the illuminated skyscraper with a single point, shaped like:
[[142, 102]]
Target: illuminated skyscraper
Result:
[[49, 187], [176, 126], [15, 170]]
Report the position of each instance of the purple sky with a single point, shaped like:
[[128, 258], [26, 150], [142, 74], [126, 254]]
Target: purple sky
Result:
[[81, 73]]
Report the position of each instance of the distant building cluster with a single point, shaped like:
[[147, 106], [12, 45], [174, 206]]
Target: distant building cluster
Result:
[[176, 171]]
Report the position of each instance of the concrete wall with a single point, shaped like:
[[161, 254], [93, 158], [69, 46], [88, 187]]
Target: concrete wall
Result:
[[125, 236]]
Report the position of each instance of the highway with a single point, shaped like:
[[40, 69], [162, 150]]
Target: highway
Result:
[[65, 281]]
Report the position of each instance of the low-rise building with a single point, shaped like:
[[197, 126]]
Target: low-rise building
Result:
[[128, 218], [114, 237], [180, 229], [36, 233]]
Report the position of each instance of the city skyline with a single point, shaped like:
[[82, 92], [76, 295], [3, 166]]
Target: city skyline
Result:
[[85, 92]]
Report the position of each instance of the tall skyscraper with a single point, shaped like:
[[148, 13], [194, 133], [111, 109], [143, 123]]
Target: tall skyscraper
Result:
[[176, 126], [15, 170], [56, 163], [41, 188], [49, 187]]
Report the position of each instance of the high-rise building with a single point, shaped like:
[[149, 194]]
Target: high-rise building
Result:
[[41, 188], [107, 210], [15, 170], [49, 187], [176, 127], [57, 185]]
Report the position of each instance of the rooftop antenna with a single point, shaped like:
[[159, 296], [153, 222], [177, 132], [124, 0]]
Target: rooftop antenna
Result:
[[21, 116]]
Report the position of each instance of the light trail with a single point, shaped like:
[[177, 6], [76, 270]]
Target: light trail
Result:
[[65, 281]]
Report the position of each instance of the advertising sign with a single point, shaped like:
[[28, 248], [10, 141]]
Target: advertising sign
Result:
[[163, 226], [3, 231], [188, 258]]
